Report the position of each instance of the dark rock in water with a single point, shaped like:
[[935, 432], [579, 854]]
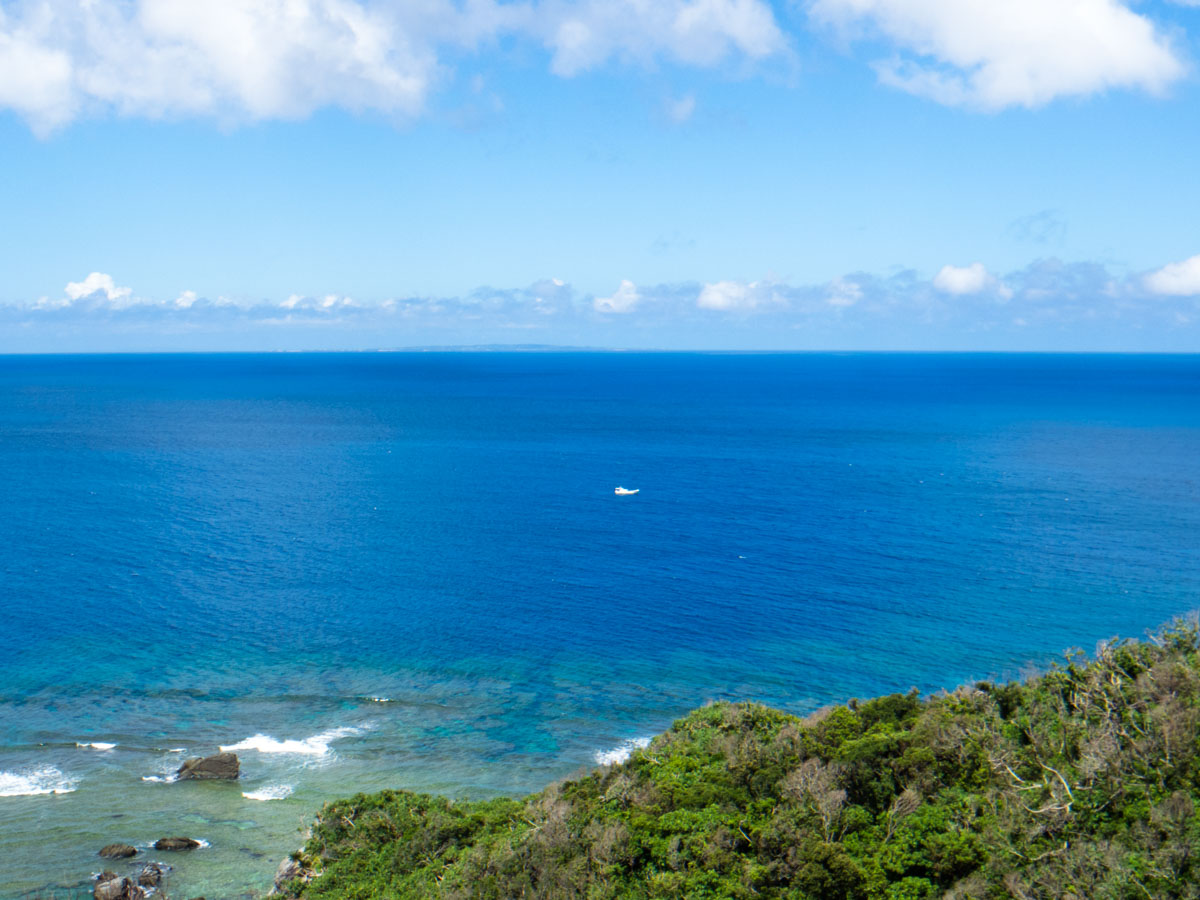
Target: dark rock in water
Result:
[[150, 876], [219, 766], [110, 886], [176, 843], [118, 851]]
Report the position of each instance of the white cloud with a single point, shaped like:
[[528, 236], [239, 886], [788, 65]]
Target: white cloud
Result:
[[960, 280], [723, 295], [623, 301], [697, 32], [843, 293], [185, 300], [326, 303], [731, 295], [1181, 279], [256, 59], [95, 283], [993, 55]]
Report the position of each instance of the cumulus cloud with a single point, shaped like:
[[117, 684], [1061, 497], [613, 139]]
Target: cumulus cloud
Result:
[[97, 283], [959, 280], [697, 32], [990, 55], [259, 59], [624, 300], [738, 295], [325, 303], [1179, 279]]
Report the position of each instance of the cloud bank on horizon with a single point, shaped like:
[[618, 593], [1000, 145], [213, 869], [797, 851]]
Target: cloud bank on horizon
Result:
[[238, 60], [1049, 304]]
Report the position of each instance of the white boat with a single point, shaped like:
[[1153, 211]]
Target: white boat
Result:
[[625, 492]]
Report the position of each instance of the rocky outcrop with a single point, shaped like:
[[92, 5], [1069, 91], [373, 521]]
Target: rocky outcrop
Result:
[[118, 851], [220, 766], [289, 870], [176, 843], [150, 876], [110, 886]]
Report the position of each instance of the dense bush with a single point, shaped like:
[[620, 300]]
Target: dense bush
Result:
[[1082, 783]]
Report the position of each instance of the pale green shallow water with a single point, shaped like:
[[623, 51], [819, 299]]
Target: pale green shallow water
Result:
[[449, 739], [244, 836]]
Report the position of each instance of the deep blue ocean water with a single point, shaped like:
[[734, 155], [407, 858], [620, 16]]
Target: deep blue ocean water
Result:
[[410, 570]]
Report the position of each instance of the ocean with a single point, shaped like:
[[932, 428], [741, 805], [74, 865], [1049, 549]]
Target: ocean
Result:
[[411, 570]]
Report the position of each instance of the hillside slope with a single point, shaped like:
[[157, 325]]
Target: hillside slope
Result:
[[1082, 783]]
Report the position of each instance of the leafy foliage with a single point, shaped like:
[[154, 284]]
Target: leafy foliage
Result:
[[1082, 783]]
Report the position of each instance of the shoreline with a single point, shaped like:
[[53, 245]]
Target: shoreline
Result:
[[632, 753]]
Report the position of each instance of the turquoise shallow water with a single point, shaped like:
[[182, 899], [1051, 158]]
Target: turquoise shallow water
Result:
[[410, 570]]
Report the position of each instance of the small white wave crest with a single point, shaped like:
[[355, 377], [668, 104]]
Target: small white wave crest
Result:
[[44, 780], [96, 745], [160, 779], [620, 753], [270, 792], [317, 745]]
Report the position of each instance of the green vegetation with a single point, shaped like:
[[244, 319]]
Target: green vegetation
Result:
[[1082, 783]]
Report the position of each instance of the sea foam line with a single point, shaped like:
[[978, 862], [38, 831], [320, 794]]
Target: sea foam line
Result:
[[620, 753], [317, 745], [44, 780], [270, 792], [96, 745]]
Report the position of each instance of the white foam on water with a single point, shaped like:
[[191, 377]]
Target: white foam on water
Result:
[[160, 779], [96, 745], [317, 745], [44, 780], [620, 753], [271, 792]]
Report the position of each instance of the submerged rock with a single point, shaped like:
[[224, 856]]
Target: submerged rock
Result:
[[118, 851], [220, 766], [176, 843], [110, 886], [150, 876]]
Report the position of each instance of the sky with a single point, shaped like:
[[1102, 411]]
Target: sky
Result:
[[676, 174]]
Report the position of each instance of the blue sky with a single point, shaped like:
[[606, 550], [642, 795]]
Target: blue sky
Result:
[[825, 174]]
